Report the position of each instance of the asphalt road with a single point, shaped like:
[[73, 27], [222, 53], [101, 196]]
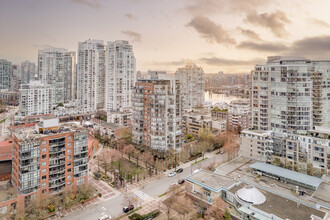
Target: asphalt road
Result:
[[113, 206]]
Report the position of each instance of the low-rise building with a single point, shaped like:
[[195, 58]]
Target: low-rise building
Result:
[[251, 200], [239, 114], [257, 145], [218, 113], [122, 117], [310, 148], [195, 122], [219, 126]]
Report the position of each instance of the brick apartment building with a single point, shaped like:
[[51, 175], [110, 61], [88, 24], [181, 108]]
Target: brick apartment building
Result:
[[49, 157]]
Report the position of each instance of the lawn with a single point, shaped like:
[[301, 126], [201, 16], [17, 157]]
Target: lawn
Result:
[[126, 166]]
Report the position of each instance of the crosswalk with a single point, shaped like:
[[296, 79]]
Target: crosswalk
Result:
[[142, 195]]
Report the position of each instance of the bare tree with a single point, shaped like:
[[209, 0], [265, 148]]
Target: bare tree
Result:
[[129, 200], [120, 146], [129, 150], [217, 210], [108, 157], [204, 146]]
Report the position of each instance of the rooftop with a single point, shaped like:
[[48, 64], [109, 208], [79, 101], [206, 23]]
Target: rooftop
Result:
[[322, 194], [211, 181], [283, 206], [6, 150], [24, 133], [257, 132], [288, 174]]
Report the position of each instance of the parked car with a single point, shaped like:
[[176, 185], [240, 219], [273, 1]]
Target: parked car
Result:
[[181, 181], [128, 208], [171, 174], [105, 217], [179, 170], [196, 171], [173, 184]]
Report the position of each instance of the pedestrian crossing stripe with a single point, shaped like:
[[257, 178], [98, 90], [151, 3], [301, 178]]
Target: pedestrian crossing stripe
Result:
[[142, 195]]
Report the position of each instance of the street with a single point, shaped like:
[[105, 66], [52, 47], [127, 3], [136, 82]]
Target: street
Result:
[[152, 190]]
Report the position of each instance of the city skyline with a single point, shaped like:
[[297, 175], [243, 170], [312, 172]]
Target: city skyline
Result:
[[230, 36]]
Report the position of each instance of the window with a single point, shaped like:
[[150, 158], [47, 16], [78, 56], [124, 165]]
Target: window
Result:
[[69, 151], [69, 164], [69, 138], [44, 177], [44, 156], [44, 191], [43, 163], [69, 177], [69, 170], [44, 142], [43, 171], [69, 144], [69, 157], [69, 183], [80, 181], [44, 149], [43, 184]]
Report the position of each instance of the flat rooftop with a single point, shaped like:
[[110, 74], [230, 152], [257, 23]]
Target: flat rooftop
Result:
[[110, 125], [322, 194], [7, 192], [287, 174], [283, 207], [24, 133], [211, 181], [6, 150]]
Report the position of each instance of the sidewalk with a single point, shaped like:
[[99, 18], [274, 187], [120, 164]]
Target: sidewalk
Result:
[[189, 164], [130, 187]]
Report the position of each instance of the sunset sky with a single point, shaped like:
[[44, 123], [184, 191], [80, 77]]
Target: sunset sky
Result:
[[219, 35]]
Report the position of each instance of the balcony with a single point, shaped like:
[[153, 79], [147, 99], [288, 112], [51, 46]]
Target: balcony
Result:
[[56, 164], [57, 170], [56, 150], [59, 143], [56, 157], [53, 185]]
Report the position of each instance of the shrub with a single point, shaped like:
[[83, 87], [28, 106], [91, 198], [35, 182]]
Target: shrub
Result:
[[227, 215], [135, 216], [97, 175], [82, 201], [99, 194]]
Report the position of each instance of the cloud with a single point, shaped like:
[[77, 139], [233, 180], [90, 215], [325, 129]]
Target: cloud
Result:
[[130, 16], [215, 61], [172, 63], [211, 31], [274, 21], [262, 47], [317, 47], [89, 3], [249, 33], [202, 7], [318, 22], [43, 46], [136, 37]]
